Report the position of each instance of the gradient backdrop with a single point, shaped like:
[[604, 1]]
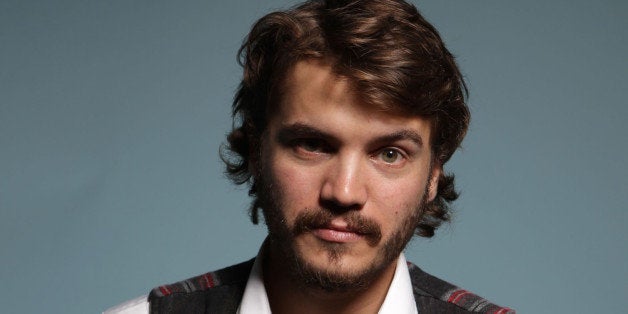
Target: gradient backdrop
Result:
[[112, 112]]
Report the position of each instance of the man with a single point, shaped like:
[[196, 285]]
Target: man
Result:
[[345, 117]]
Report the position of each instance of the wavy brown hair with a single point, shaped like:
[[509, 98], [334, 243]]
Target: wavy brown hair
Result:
[[395, 59]]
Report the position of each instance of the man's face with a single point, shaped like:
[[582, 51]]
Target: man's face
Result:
[[342, 185]]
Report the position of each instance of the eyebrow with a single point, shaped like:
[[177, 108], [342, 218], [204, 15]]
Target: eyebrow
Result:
[[400, 135], [296, 130]]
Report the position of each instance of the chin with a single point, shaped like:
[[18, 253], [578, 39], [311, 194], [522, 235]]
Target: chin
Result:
[[333, 267]]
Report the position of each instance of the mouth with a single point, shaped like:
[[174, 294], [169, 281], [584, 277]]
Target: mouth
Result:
[[337, 234], [337, 229]]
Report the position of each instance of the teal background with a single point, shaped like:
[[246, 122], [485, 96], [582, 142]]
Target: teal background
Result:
[[112, 112]]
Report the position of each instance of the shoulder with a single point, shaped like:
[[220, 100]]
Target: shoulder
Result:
[[232, 275], [228, 276], [222, 288], [439, 295], [136, 306]]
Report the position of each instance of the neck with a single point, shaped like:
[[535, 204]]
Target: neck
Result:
[[287, 295]]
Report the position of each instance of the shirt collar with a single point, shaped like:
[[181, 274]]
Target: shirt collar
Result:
[[399, 298], [255, 299]]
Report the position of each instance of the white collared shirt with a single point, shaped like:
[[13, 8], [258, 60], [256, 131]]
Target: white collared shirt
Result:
[[399, 298]]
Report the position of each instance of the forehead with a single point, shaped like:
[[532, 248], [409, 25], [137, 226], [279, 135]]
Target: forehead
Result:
[[313, 77], [313, 93]]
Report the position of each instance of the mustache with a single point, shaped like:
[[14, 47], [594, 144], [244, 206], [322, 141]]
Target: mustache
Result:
[[318, 218]]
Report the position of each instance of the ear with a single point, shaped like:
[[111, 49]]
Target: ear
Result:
[[432, 188], [255, 156], [254, 163], [253, 169]]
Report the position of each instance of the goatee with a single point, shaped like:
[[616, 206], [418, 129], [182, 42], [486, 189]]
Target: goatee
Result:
[[300, 271]]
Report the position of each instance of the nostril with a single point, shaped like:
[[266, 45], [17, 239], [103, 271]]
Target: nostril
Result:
[[336, 207]]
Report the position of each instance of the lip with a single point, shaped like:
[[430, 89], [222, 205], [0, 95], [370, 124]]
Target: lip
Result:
[[337, 233]]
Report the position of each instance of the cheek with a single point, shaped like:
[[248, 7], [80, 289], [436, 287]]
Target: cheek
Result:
[[397, 200], [297, 186], [400, 192], [293, 178]]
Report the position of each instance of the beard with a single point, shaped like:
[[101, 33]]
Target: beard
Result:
[[282, 240]]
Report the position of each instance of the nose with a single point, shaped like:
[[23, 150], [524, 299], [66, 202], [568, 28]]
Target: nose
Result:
[[344, 187]]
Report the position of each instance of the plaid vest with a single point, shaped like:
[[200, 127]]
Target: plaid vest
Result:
[[220, 292]]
